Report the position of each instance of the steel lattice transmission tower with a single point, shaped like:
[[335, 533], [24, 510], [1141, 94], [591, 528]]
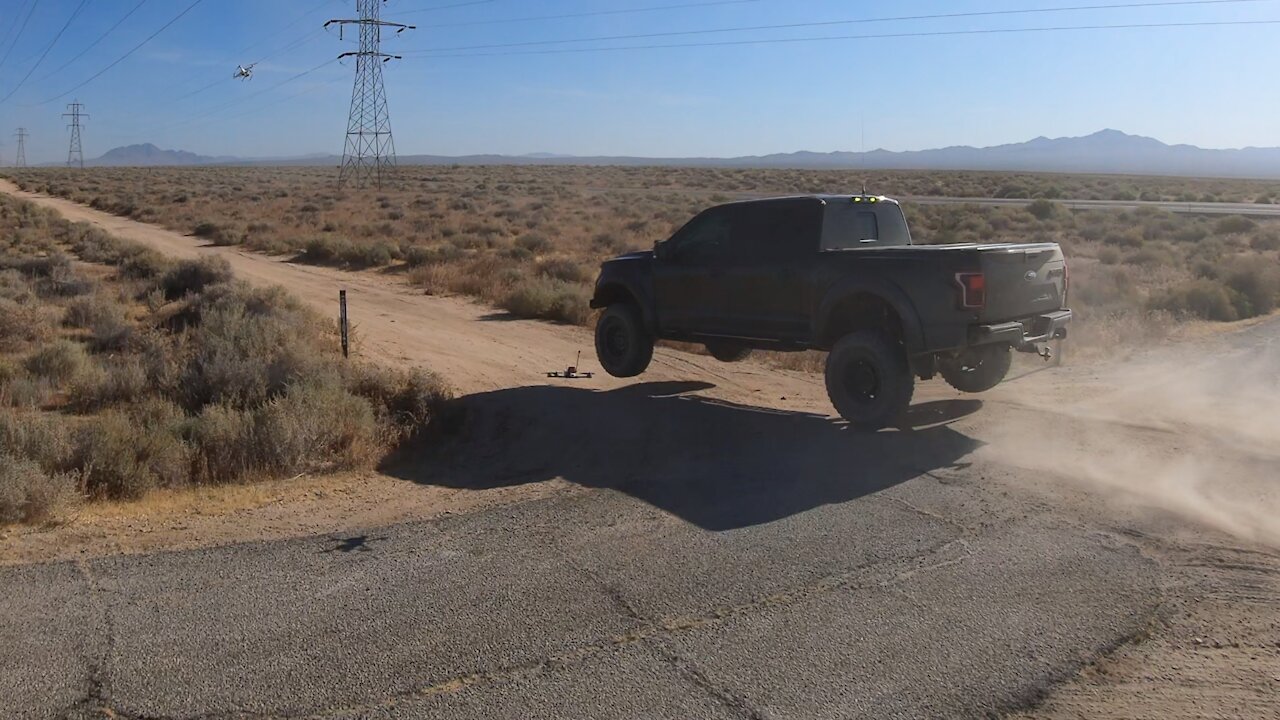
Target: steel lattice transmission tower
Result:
[[370, 152], [75, 155], [22, 136]]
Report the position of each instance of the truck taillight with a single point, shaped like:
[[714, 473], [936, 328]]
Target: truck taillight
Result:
[[973, 290]]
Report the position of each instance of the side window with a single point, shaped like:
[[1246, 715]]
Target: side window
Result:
[[776, 232], [703, 240]]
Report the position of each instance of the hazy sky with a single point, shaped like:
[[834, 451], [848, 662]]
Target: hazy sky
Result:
[[1210, 86]]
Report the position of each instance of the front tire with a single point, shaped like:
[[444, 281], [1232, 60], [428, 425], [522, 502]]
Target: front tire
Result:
[[869, 380], [728, 352], [977, 369], [623, 346]]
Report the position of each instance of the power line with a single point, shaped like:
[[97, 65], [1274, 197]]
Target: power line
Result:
[[122, 58], [447, 7], [94, 44], [829, 23], [226, 78], [291, 46], [11, 26], [593, 13], [18, 37], [315, 9], [883, 36], [247, 98], [47, 48]]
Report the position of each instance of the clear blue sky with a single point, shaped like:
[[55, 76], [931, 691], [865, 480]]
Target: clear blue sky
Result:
[[1210, 86]]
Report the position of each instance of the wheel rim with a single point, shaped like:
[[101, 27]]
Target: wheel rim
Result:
[[616, 341], [862, 381]]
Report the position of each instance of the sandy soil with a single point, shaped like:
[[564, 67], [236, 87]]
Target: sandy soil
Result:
[[1177, 450]]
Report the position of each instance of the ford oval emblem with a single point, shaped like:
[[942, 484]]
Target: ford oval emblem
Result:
[[1030, 276]]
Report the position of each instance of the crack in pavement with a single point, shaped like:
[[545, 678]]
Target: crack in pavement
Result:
[[96, 697], [654, 632], [684, 666]]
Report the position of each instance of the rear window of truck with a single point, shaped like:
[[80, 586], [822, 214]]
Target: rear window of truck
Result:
[[850, 226]]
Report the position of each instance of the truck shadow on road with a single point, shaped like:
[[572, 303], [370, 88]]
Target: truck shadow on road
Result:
[[715, 464]]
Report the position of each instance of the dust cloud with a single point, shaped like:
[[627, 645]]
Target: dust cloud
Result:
[[1196, 433]]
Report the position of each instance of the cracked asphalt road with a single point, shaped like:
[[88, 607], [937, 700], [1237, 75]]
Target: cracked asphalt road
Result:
[[586, 605]]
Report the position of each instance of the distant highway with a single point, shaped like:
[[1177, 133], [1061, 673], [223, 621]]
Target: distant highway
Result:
[[1190, 208]]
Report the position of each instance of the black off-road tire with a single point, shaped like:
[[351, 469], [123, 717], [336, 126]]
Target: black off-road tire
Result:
[[728, 352], [624, 346], [977, 369], [869, 380]]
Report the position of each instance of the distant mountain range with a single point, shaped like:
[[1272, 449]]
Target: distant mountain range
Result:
[[1107, 151]]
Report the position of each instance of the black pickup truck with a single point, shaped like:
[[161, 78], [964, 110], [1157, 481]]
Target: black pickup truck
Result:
[[836, 273]]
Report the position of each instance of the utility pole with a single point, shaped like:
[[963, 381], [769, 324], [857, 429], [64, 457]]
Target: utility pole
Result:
[[75, 155], [370, 153], [22, 135]]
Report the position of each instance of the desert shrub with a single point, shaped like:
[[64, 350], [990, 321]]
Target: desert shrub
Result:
[[1151, 256], [419, 255], [103, 317], [59, 362], [1234, 224], [20, 324], [1043, 209], [534, 243], [548, 300], [223, 445], [83, 311], [25, 391], [120, 379], [407, 401], [123, 454], [1266, 242], [13, 286], [316, 427], [28, 494], [1256, 289], [563, 269], [193, 276], [517, 253], [1130, 238], [42, 438], [1109, 256], [206, 230], [1206, 299], [324, 251], [367, 255], [144, 264], [63, 281]]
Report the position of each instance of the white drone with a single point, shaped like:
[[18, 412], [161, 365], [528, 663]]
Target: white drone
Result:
[[244, 72]]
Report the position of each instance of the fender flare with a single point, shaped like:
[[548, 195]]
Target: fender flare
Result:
[[620, 290], [893, 296]]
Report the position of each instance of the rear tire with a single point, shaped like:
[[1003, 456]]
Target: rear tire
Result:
[[977, 369], [869, 380], [624, 346], [728, 352]]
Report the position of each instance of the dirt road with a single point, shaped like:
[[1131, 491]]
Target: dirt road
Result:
[[706, 543]]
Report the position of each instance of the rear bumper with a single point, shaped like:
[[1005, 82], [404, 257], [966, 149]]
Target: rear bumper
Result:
[[1027, 331]]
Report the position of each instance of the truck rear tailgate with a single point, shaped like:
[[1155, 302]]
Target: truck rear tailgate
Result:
[[1022, 280]]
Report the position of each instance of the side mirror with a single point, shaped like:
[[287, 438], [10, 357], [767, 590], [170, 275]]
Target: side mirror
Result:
[[660, 251]]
